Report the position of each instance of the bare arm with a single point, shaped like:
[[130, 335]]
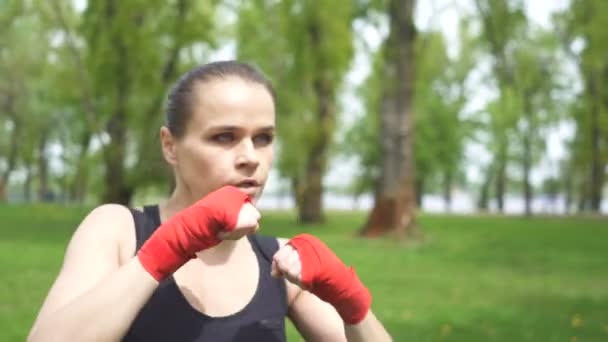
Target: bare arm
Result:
[[317, 320], [369, 329], [94, 297], [97, 297]]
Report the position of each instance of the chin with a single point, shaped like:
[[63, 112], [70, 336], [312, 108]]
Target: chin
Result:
[[255, 198]]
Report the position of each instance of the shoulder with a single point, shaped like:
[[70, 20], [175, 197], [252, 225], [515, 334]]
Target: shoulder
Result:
[[109, 226], [108, 210], [105, 219], [92, 254]]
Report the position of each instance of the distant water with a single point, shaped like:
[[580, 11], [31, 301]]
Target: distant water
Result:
[[462, 203]]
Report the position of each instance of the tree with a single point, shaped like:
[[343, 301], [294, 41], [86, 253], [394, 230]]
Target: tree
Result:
[[394, 203], [132, 54], [582, 22], [311, 49], [502, 22], [25, 58], [535, 78], [439, 98]]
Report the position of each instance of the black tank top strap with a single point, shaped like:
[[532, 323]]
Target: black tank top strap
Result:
[[146, 223], [266, 245], [152, 213]]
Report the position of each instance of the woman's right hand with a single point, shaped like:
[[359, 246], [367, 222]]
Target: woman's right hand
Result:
[[247, 222], [225, 214]]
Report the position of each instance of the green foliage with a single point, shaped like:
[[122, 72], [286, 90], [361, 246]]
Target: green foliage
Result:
[[29, 102], [582, 23], [56, 61], [362, 140], [440, 96], [69, 72], [300, 46], [134, 51], [526, 71]]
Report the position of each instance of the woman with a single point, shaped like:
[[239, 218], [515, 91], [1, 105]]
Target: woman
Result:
[[193, 270]]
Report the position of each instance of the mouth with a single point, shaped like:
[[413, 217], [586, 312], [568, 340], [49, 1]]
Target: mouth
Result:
[[248, 186]]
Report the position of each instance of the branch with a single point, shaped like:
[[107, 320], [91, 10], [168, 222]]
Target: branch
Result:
[[87, 102], [14, 141], [170, 67], [503, 74]]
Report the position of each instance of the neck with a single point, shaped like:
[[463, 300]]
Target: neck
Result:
[[180, 201]]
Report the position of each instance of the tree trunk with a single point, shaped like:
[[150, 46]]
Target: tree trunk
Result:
[[27, 184], [79, 183], [505, 77], [153, 169], [597, 169], [501, 179], [419, 190], [569, 187], [116, 187], [583, 198], [310, 201], [527, 188], [447, 190], [394, 207], [527, 157], [484, 193], [43, 168], [13, 149]]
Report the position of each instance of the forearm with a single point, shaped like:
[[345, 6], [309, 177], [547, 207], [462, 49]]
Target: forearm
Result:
[[369, 329], [103, 313]]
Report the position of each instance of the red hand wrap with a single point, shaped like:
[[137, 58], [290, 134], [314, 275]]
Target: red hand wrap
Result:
[[192, 230], [328, 278]]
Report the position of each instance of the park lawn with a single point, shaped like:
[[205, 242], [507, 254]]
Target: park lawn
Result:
[[470, 278]]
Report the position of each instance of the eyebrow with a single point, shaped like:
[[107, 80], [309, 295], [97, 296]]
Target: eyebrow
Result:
[[236, 128]]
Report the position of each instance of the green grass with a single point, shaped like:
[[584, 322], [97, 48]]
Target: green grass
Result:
[[480, 278]]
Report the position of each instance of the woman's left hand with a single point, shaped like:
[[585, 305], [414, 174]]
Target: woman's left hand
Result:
[[309, 263]]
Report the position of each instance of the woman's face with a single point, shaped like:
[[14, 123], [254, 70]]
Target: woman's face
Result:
[[228, 139]]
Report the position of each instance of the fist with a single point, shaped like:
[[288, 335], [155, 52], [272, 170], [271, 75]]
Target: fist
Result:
[[286, 263], [309, 263], [247, 222]]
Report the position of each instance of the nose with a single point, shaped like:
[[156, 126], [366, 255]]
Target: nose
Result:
[[247, 156]]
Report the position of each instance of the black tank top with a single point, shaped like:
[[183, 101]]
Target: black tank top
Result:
[[167, 316]]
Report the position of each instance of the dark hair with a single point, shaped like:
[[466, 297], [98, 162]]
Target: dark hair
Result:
[[179, 101]]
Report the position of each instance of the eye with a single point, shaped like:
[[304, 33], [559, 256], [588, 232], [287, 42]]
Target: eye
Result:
[[223, 138], [263, 139]]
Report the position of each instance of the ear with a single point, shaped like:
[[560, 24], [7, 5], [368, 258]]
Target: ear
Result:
[[168, 144]]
